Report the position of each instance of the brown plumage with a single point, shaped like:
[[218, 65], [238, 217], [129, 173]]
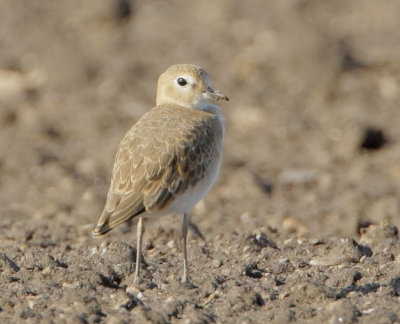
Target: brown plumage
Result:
[[170, 158], [158, 159]]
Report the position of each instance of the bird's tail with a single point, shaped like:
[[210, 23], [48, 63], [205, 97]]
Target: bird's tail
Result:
[[108, 221]]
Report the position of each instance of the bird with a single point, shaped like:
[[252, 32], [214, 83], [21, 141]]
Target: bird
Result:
[[170, 158]]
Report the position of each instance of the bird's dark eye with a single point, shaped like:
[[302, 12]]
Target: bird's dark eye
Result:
[[182, 82]]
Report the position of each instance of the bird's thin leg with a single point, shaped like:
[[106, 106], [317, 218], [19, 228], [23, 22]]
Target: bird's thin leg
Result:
[[140, 231], [185, 225], [196, 230]]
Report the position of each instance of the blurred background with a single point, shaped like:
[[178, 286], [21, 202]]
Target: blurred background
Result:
[[312, 125]]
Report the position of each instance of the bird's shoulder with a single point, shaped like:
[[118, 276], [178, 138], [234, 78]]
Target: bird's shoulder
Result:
[[165, 126]]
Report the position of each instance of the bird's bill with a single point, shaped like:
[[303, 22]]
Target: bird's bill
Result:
[[215, 94]]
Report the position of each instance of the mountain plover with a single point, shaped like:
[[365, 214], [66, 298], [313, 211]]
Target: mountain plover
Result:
[[170, 158]]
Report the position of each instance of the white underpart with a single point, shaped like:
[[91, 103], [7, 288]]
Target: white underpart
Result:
[[186, 201]]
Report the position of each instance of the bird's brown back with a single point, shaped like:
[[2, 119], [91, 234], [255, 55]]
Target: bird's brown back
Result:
[[166, 152]]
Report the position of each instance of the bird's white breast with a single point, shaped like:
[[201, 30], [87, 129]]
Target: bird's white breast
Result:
[[185, 202]]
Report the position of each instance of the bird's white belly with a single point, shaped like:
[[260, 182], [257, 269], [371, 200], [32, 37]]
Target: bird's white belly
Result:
[[186, 202]]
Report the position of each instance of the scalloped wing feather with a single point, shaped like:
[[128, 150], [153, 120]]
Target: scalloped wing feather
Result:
[[162, 155]]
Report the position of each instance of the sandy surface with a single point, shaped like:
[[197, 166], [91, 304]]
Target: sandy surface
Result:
[[302, 224]]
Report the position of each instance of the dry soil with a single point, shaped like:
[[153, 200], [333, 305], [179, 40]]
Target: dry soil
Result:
[[301, 226]]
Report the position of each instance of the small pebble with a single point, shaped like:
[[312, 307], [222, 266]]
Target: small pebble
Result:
[[330, 261], [252, 271], [217, 263], [283, 260], [298, 176]]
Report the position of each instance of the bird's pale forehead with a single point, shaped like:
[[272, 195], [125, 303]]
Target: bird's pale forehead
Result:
[[187, 69]]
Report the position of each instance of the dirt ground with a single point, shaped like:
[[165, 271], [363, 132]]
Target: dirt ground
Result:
[[301, 226]]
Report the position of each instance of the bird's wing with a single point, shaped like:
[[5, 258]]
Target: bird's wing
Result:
[[159, 158]]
